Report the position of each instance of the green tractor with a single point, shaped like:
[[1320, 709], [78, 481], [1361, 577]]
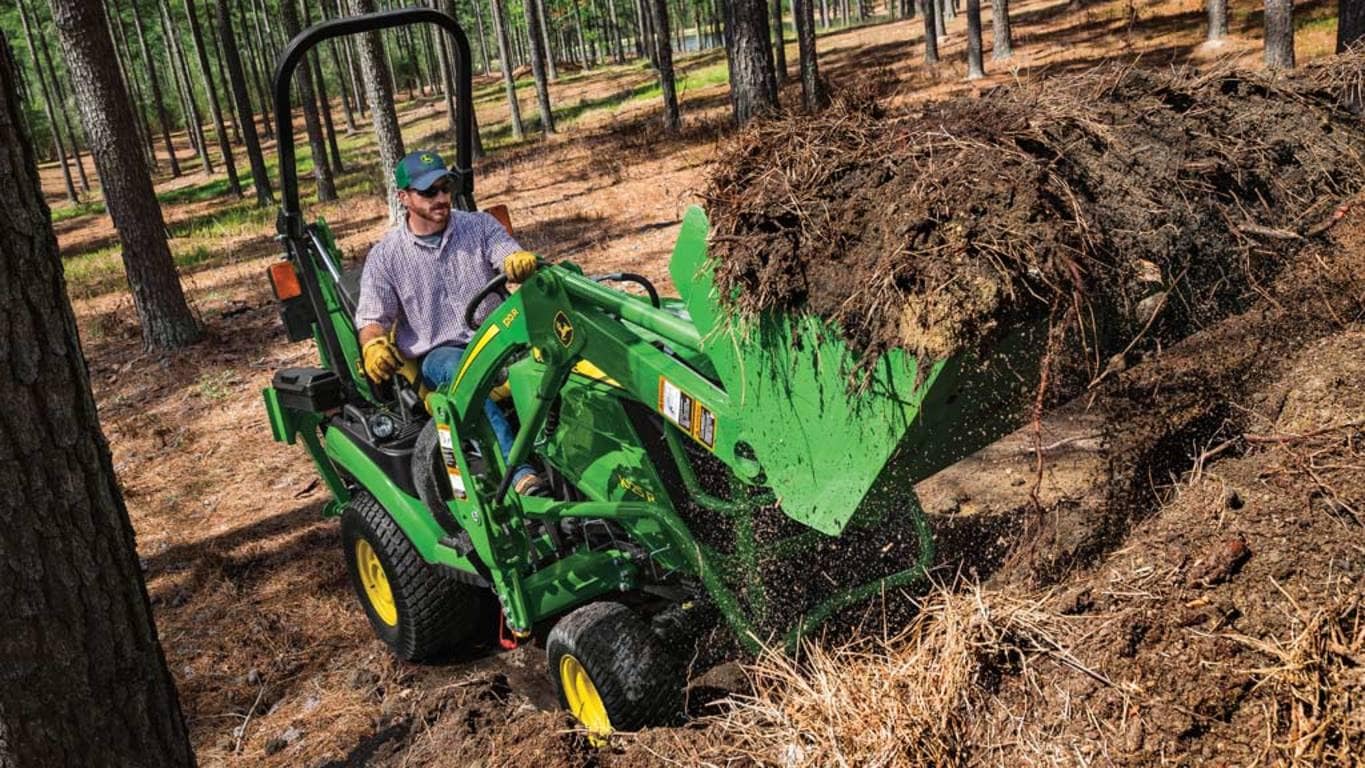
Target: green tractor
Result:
[[710, 477]]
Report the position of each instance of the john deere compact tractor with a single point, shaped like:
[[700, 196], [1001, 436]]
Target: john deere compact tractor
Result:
[[710, 477]]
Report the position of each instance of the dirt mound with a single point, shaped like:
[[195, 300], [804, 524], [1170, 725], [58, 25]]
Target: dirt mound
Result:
[[932, 229]]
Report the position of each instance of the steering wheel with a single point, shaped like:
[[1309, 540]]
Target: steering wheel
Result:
[[497, 285]]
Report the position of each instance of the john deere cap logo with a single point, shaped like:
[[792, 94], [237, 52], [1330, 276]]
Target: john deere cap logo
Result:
[[428, 159], [563, 329]]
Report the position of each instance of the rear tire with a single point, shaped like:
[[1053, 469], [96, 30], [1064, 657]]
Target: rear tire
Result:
[[415, 607], [612, 672]]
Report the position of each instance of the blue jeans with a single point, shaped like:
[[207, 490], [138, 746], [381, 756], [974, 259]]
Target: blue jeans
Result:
[[438, 370]]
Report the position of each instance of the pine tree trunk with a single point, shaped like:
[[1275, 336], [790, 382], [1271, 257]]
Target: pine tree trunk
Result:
[[618, 47], [346, 109], [83, 680], [487, 66], [180, 65], [237, 82], [1279, 34], [542, 16], [975, 67], [536, 40], [161, 115], [226, 96], [197, 35], [125, 57], [505, 59], [1003, 46], [58, 143], [384, 117], [1350, 23], [780, 46], [324, 103], [1218, 20], [931, 23], [578, 30], [949, 10], [803, 15], [664, 55], [940, 17], [128, 196], [753, 84], [60, 107], [253, 60], [317, 143]]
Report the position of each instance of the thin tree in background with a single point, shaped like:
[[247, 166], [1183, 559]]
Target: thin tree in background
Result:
[[197, 35], [237, 82], [58, 143], [753, 84], [1279, 34], [60, 93], [930, 32], [314, 60], [1003, 46], [179, 65], [505, 62], [383, 115], [128, 195], [940, 17], [664, 56], [542, 15], [1350, 23], [125, 57], [162, 117], [538, 52], [83, 679], [975, 68], [1218, 20], [779, 44], [322, 170], [803, 15]]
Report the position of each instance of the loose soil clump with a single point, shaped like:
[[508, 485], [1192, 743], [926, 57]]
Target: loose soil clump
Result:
[[1109, 195]]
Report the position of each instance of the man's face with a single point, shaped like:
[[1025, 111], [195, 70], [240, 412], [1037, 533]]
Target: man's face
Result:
[[431, 205]]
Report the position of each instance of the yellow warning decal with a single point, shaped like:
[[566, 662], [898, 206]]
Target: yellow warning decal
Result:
[[687, 413], [452, 466]]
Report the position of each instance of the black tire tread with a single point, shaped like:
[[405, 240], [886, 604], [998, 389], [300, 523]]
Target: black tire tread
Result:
[[639, 681], [435, 611]]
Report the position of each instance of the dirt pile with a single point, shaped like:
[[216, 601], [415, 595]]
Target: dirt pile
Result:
[[1108, 195]]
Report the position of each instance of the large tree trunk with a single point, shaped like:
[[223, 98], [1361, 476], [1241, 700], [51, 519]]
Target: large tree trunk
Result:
[[1000, 25], [1350, 23], [664, 55], [803, 13], [779, 44], [505, 59], [384, 117], [162, 117], [197, 35], [930, 32], [1279, 34], [753, 85], [1218, 20], [83, 680], [237, 81], [128, 196], [975, 68], [58, 143], [539, 52], [317, 143]]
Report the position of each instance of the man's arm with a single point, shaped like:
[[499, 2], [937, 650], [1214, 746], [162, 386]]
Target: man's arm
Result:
[[371, 332]]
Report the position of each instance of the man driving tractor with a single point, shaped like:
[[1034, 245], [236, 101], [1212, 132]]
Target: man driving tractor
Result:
[[419, 277]]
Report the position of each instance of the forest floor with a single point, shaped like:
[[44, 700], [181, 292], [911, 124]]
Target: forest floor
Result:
[[271, 653]]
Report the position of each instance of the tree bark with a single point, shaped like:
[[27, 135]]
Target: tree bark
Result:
[[618, 47], [236, 117], [60, 93], [197, 35], [930, 32], [780, 44], [803, 13], [940, 18], [157, 101], [58, 143], [83, 680], [975, 68], [543, 21], [193, 119], [383, 116], [1350, 23], [505, 56], [753, 84], [539, 51], [253, 56], [949, 11], [1000, 25], [1279, 34], [322, 169], [483, 36], [237, 80], [128, 196], [664, 55], [324, 102], [116, 31], [1218, 20]]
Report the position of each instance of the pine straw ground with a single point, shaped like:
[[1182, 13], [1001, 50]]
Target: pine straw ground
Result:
[[934, 227]]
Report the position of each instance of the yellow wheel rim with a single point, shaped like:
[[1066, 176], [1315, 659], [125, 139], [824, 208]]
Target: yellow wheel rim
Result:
[[583, 700], [376, 583]]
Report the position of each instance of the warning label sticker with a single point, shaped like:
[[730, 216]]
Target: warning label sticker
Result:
[[689, 414], [448, 456]]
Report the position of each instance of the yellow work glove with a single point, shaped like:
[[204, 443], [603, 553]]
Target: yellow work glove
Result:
[[519, 266], [381, 359]]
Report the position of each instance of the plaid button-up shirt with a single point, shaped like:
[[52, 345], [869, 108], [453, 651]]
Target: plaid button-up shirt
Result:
[[425, 288]]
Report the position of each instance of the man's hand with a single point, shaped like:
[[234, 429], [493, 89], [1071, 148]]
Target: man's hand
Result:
[[519, 266], [381, 359]]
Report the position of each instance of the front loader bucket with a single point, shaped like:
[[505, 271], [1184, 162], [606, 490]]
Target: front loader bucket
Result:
[[831, 450]]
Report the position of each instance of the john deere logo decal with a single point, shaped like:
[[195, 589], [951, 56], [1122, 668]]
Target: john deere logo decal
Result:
[[427, 159], [563, 329]]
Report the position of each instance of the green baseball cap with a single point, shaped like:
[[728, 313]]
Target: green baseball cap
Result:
[[419, 170]]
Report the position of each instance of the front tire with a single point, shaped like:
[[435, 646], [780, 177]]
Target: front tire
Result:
[[612, 672], [415, 607]]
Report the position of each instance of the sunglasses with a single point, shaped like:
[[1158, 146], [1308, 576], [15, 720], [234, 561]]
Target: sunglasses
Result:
[[434, 190]]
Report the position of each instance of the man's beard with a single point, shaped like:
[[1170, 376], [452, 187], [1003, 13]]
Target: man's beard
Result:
[[435, 216]]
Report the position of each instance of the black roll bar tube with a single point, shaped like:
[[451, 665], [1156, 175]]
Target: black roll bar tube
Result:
[[290, 220]]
